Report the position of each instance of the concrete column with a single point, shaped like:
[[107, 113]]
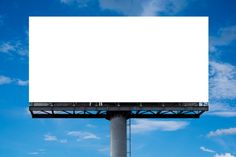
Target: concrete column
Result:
[[118, 143]]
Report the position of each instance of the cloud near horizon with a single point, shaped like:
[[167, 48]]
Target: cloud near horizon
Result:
[[144, 125], [220, 132]]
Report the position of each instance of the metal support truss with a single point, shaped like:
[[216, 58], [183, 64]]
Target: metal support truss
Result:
[[106, 110]]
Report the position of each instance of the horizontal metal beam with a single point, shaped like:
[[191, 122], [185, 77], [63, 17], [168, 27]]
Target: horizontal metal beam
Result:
[[104, 110], [105, 116]]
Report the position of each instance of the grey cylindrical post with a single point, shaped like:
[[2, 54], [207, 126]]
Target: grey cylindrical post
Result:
[[118, 135]]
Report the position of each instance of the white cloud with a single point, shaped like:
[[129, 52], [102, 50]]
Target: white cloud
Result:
[[220, 132], [224, 113], [217, 106], [5, 80], [216, 154], [144, 7], [50, 138], [224, 37], [34, 153], [207, 150], [39, 152], [222, 110], [82, 135], [22, 82], [13, 47], [9, 80], [222, 80], [144, 125], [224, 155], [7, 47]]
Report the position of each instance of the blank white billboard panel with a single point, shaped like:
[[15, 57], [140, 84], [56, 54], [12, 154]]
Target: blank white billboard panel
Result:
[[118, 59]]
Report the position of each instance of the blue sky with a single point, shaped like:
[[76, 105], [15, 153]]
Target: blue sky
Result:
[[213, 135]]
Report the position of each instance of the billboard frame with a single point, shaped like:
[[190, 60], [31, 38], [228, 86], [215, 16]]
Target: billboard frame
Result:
[[107, 110]]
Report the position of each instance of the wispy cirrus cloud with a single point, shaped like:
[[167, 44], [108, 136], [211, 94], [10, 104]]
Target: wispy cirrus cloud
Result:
[[38, 152], [139, 7], [81, 135], [52, 138], [223, 37], [144, 7], [15, 47], [222, 110], [224, 113], [34, 153], [8, 80], [222, 76], [144, 125], [48, 137], [7, 47], [204, 149], [222, 80], [5, 80], [221, 132]]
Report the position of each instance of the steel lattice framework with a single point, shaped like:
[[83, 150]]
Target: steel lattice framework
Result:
[[106, 110]]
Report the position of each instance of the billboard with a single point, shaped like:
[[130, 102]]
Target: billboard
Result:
[[118, 59]]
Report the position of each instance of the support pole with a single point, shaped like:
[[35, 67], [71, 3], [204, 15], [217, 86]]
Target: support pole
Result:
[[118, 143]]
